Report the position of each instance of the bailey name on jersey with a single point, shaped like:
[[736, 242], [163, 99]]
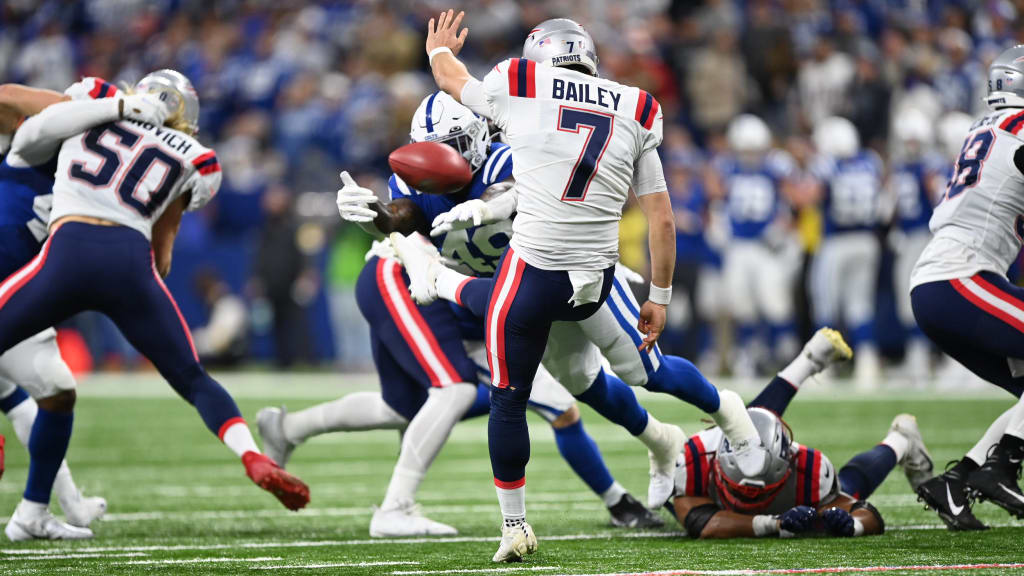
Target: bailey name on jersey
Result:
[[580, 92]]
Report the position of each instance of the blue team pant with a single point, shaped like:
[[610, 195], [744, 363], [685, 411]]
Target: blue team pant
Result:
[[979, 321]]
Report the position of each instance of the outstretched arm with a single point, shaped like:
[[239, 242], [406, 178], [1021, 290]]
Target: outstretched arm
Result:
[[444, 41], [18, 102], [362, 207]]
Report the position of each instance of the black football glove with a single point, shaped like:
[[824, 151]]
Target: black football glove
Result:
[[838, 522], [797, 520]]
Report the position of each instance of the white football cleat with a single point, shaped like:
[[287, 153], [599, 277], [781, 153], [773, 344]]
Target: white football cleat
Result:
[[826, 348], [33, 522], [916, 462], [406, 520], [663, 464], [421, 261], [516, 542], [84, 511], [270, 422]]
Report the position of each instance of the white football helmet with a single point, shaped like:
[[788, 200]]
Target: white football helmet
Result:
[[440, 118], [953, 129], [913, 125], [748, 133], [176, 90], [836, 137], [1006, 80], [561, 42]]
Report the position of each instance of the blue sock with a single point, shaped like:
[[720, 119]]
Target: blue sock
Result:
[[776, 396], [744, 334], [580, 451], [614, 400], [482, 404], [51, 434], [865, 472], [863, 334], [13, 399], [680, 378], [475, 294]]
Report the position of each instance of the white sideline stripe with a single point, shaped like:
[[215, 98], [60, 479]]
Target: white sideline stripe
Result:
[[330, 543], [336, 565], [47, 556], [219, 560], [438, 371], [821, 570], [479, 570]]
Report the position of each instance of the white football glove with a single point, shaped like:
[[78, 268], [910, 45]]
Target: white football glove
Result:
[[354, 201], [144, 108], [466, 215], [631, 276]]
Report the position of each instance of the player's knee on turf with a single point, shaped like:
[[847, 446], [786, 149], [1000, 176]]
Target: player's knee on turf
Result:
[[63, 401], [567, 418]]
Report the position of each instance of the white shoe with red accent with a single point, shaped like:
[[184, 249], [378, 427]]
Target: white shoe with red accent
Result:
[[421, 261]]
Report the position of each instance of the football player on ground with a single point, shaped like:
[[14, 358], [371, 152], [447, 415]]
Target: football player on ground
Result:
[[127, 168], [26, 195], [758, 278], [845, 269], [430, 358], [963, 301], [800, 491], [579, 143]]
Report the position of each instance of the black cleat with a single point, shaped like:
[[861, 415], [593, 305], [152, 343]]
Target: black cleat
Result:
[[947, 494], [629, 513], [996, 481]]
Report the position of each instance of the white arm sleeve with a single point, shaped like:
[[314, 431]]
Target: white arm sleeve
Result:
[[503, 205], [648, 175], [474, 98], [40, 136]]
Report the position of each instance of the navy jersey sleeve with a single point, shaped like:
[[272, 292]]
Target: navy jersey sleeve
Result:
[[432, 205]]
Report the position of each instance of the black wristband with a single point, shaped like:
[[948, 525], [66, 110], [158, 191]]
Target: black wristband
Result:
[[697, 518]]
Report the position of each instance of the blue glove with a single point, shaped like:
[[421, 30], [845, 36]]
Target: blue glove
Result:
[[797, 520], [838, 522]]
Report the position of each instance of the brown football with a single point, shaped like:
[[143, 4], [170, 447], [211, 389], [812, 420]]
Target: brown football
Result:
[[431, 167]]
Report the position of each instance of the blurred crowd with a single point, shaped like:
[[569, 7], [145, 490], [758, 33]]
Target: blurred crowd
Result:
[[784, 221]]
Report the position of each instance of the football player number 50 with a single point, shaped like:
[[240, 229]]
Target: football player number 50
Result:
[[599, 132]]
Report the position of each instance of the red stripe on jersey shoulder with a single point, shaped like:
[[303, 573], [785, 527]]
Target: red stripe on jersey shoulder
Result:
[[646, 109], [531, 81], [513, 77], [207, 163], [102, 89], [1013, 123], [654, 113]]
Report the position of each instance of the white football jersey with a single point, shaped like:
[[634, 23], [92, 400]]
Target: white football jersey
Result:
[[128, 172], [576, 141], [979, 224]]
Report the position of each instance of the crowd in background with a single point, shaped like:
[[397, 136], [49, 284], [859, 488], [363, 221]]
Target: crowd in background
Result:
[[293, 92]]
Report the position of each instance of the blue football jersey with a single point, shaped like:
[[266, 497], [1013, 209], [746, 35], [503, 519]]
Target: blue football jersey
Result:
[[910, 181], [752, 192], [852, 191], [26, 196], [476, 250]]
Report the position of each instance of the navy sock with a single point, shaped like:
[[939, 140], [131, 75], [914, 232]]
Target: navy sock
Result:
[[680, 378], [582, 454], [866, 471], [13, 399], [475, 294], [51, 434], [776, 396], [614, 400], [508, 437]]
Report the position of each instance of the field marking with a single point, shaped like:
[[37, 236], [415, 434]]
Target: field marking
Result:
[[337, 565], [219, 560], [43, 555], [479, 570], [330, 543], [824, 570]]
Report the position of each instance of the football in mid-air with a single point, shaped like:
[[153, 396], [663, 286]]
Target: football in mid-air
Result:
[[431, 167]]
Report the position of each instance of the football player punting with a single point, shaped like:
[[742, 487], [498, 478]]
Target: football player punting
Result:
[[127, 168], [579, 143], [429, 357], [800, 491], [963, 301]]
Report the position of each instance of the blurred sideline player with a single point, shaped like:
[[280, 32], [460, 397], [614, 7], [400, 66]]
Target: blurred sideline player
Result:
[[912, 186], [26, 195], [573, 172], [963, 301], [800, 492], [120, 190], [429, 358], [756, 272], [844, 274]]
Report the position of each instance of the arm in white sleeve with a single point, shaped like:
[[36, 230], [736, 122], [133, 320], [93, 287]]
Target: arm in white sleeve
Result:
[[503, 204], [648, 174], [474, 98], [40, 136]]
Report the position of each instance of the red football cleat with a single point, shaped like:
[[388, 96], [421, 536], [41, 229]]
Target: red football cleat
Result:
[[291, 491]]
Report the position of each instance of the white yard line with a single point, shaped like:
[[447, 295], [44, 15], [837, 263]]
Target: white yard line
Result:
[[334, 565], [219, 560], [74, 556], [822, 570]]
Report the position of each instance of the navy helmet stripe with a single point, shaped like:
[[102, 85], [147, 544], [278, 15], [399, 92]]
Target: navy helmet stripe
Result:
[[430, 112]]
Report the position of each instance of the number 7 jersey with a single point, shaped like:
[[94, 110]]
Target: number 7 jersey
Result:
[[129, 172], [576, 142], [979, 224]]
